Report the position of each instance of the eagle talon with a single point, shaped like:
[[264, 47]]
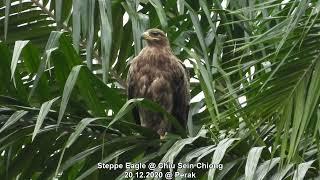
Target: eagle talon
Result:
[[162, 137]]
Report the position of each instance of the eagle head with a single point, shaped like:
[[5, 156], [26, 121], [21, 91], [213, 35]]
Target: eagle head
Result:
[[155, 37]]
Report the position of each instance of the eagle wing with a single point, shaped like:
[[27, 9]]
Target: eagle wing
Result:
[[131, 93], [181, 95]]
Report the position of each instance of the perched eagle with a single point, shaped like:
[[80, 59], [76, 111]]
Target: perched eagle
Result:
[[158, 75]]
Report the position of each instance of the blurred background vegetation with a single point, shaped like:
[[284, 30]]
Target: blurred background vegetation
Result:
[[255, 86]]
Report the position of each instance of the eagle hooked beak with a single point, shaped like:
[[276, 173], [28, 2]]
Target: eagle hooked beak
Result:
[[146, 36]]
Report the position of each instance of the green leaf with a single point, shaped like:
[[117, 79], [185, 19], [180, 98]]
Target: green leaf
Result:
[[74, 136], [300, 172], [173, 152], [18, 46], [252, 162], [206, 85], [51, 46], [44, 110], [198, 29], [13, 118], [84, 17], [53, 40], [226, 168], [76, 24], [106, 36], [58, 9], [180, 6], [196, 153], [71, 81], [130, 104], [139, 21], [204, 6], [312, 99], [127, 107], [90, 33], [281, 173], [219, 154], [80, 127], [41, 70], [265, 167], [6, 20], [160, 11]]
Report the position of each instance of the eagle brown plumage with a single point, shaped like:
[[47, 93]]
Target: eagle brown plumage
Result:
[[158, 75]]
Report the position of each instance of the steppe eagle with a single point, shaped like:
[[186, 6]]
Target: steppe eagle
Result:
[[158, 75]]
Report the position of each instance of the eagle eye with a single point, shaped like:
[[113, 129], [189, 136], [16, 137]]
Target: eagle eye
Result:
[[155, 33]]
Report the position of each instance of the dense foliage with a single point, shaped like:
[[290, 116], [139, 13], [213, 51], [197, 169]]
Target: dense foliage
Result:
[[255, 68]]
